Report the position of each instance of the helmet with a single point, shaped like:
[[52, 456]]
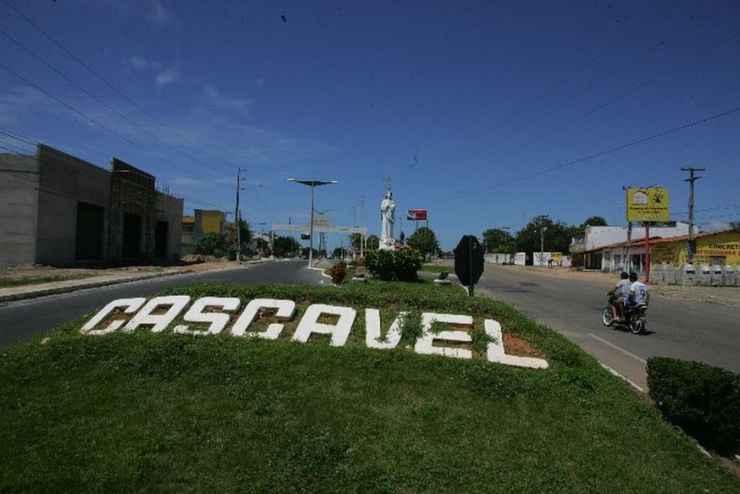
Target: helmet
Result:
[[623, 275], [633, 276]]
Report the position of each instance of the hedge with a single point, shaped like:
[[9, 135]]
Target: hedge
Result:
[[399, 265], [702, 400]]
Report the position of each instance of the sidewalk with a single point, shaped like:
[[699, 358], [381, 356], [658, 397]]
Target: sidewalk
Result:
[[63, 286]]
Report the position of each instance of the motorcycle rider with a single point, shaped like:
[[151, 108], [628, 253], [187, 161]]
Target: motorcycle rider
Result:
[[619, 294], [638, 293]]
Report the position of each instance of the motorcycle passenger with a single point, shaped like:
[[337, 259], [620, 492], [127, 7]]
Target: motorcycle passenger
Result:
[[638, 293], [618, 295]]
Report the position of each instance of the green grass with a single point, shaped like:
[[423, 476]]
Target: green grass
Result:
[[168, 413], [30, 280], [435, 268]]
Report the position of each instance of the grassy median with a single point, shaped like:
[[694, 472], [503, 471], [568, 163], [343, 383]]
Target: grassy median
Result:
[[164, 412]]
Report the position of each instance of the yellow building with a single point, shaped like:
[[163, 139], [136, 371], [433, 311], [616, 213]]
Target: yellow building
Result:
[[719, 248], [201, 223], [210, 221]]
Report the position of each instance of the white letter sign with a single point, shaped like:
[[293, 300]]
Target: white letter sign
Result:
[[372, 330], [496, 352], [218, 320], [131, 305], [159, 322], [424, 342], [339, 332], [285, 309]]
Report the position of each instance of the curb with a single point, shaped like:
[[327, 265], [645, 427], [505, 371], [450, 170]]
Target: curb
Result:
[[99, 284]]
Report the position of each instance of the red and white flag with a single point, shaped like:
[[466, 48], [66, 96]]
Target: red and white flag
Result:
[[417, 215]]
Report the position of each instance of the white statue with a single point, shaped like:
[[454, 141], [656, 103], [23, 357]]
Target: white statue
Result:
[[388, 218]]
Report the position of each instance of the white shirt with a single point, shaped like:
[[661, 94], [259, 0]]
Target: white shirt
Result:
[[623, 288], [638, 293]]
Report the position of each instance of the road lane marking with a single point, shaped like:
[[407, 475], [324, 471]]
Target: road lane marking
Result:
[[618, 348], [628, 381]]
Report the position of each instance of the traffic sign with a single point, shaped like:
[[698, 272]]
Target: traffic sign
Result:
[[469, 261]]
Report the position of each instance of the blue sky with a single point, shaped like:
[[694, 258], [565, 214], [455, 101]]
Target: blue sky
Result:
[[463, 104]]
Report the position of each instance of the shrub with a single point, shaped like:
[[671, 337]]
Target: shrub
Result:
[[338, 272], [703, 400], [407, 263], [388, 265], [209, 244]]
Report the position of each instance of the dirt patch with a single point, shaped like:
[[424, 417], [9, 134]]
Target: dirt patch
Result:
[[514, 345], [722, 295]]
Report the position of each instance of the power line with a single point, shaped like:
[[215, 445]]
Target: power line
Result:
[[87, 93], [70, 107], [64, 157], [64, 49], [64, 76], [89, 68], [17, 137], [39, 188], [621, 147]]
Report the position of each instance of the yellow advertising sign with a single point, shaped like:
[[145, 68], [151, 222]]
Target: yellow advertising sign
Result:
[[648, 204]]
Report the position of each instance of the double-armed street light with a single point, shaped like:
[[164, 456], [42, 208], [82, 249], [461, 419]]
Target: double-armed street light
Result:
[[312, 184]]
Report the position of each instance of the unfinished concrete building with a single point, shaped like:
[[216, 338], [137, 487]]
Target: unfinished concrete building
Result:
[[59, 210]]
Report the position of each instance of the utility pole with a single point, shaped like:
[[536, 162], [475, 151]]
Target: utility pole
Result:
[[236, 216], [543, 229], [692, 178], [542, 243]]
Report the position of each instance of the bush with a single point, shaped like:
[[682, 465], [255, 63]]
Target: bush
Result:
[[388, 265], [338, 272], [703, 400], [407, 263], [209, 244]]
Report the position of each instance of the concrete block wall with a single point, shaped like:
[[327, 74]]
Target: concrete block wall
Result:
[[169, 209], [19, 182], [664, 274], [65, 181]]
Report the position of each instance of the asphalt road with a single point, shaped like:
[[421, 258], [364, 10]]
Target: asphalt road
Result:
[[705, 332], [23, 319]]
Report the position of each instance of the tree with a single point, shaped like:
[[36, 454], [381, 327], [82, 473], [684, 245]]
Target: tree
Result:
[[579, 231], [595, 221], [356, 239], [372, 242], [263, 246], [211, 244], [337, 252], [556, 236], [284, 246], [424, 240], [498, 240], [245, 233]]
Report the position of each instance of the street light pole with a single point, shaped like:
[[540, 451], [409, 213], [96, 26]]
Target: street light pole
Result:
[[312, 184], [310, 231]]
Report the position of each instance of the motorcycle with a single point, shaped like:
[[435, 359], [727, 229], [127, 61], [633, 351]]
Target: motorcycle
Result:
[[635, 318]]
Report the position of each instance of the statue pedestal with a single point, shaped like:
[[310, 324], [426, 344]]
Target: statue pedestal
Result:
[[387, 244]]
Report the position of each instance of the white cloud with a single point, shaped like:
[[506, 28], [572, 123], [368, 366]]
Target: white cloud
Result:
[[159, 15], [141, 63], [168, 76], [18, 100], [215, 98]]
